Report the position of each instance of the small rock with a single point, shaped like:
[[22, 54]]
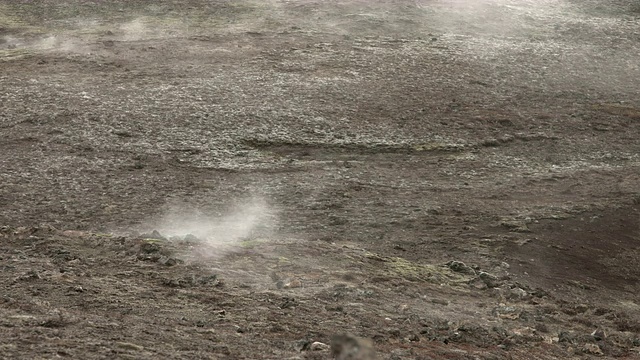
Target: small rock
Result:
[[592, 349], [121, 132], [478, 284], [149, 248], [318, 346], [337, 308], [564, 336], [344, 346], [518, 293], [581, 308], [599, 334], [168, 261], [490, 280], [208, 280], [129, 346], [277, 328], [515, 226], [459, 266], [490, 142], [525, 332], [440, 302], [539, 293], [399, 247], [507, 312], [295, 283], [191, 238], [153, 235], [288, 303], [240, 329]]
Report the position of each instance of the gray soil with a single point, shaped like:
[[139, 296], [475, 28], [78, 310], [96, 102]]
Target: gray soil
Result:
[[327, 179]]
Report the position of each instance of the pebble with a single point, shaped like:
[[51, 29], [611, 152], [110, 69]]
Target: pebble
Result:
[[459, 266], [318, 346], [564, 336], [599, 334], [506, 312], [440, 302], [490, 280], [168, 261], [518, 293], [155, 235], [292, 284], [129, 346], [592, 349]]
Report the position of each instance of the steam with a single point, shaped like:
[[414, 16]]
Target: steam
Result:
[[84, 40], [57, 43], [497, 17], [220, 234], [134, 31], [553, 43]]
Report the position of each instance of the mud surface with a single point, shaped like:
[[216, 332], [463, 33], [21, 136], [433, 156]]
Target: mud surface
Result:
[[434, 179]]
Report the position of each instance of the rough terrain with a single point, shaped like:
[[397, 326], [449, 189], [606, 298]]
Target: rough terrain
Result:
[[320, 179]]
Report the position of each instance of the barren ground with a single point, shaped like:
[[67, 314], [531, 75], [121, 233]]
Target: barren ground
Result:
[[435, 179]]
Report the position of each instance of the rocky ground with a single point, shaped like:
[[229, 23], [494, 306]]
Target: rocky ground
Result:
[[320, 179]]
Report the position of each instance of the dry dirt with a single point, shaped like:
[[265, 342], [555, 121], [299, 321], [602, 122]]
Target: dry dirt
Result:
[[328, 179]]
